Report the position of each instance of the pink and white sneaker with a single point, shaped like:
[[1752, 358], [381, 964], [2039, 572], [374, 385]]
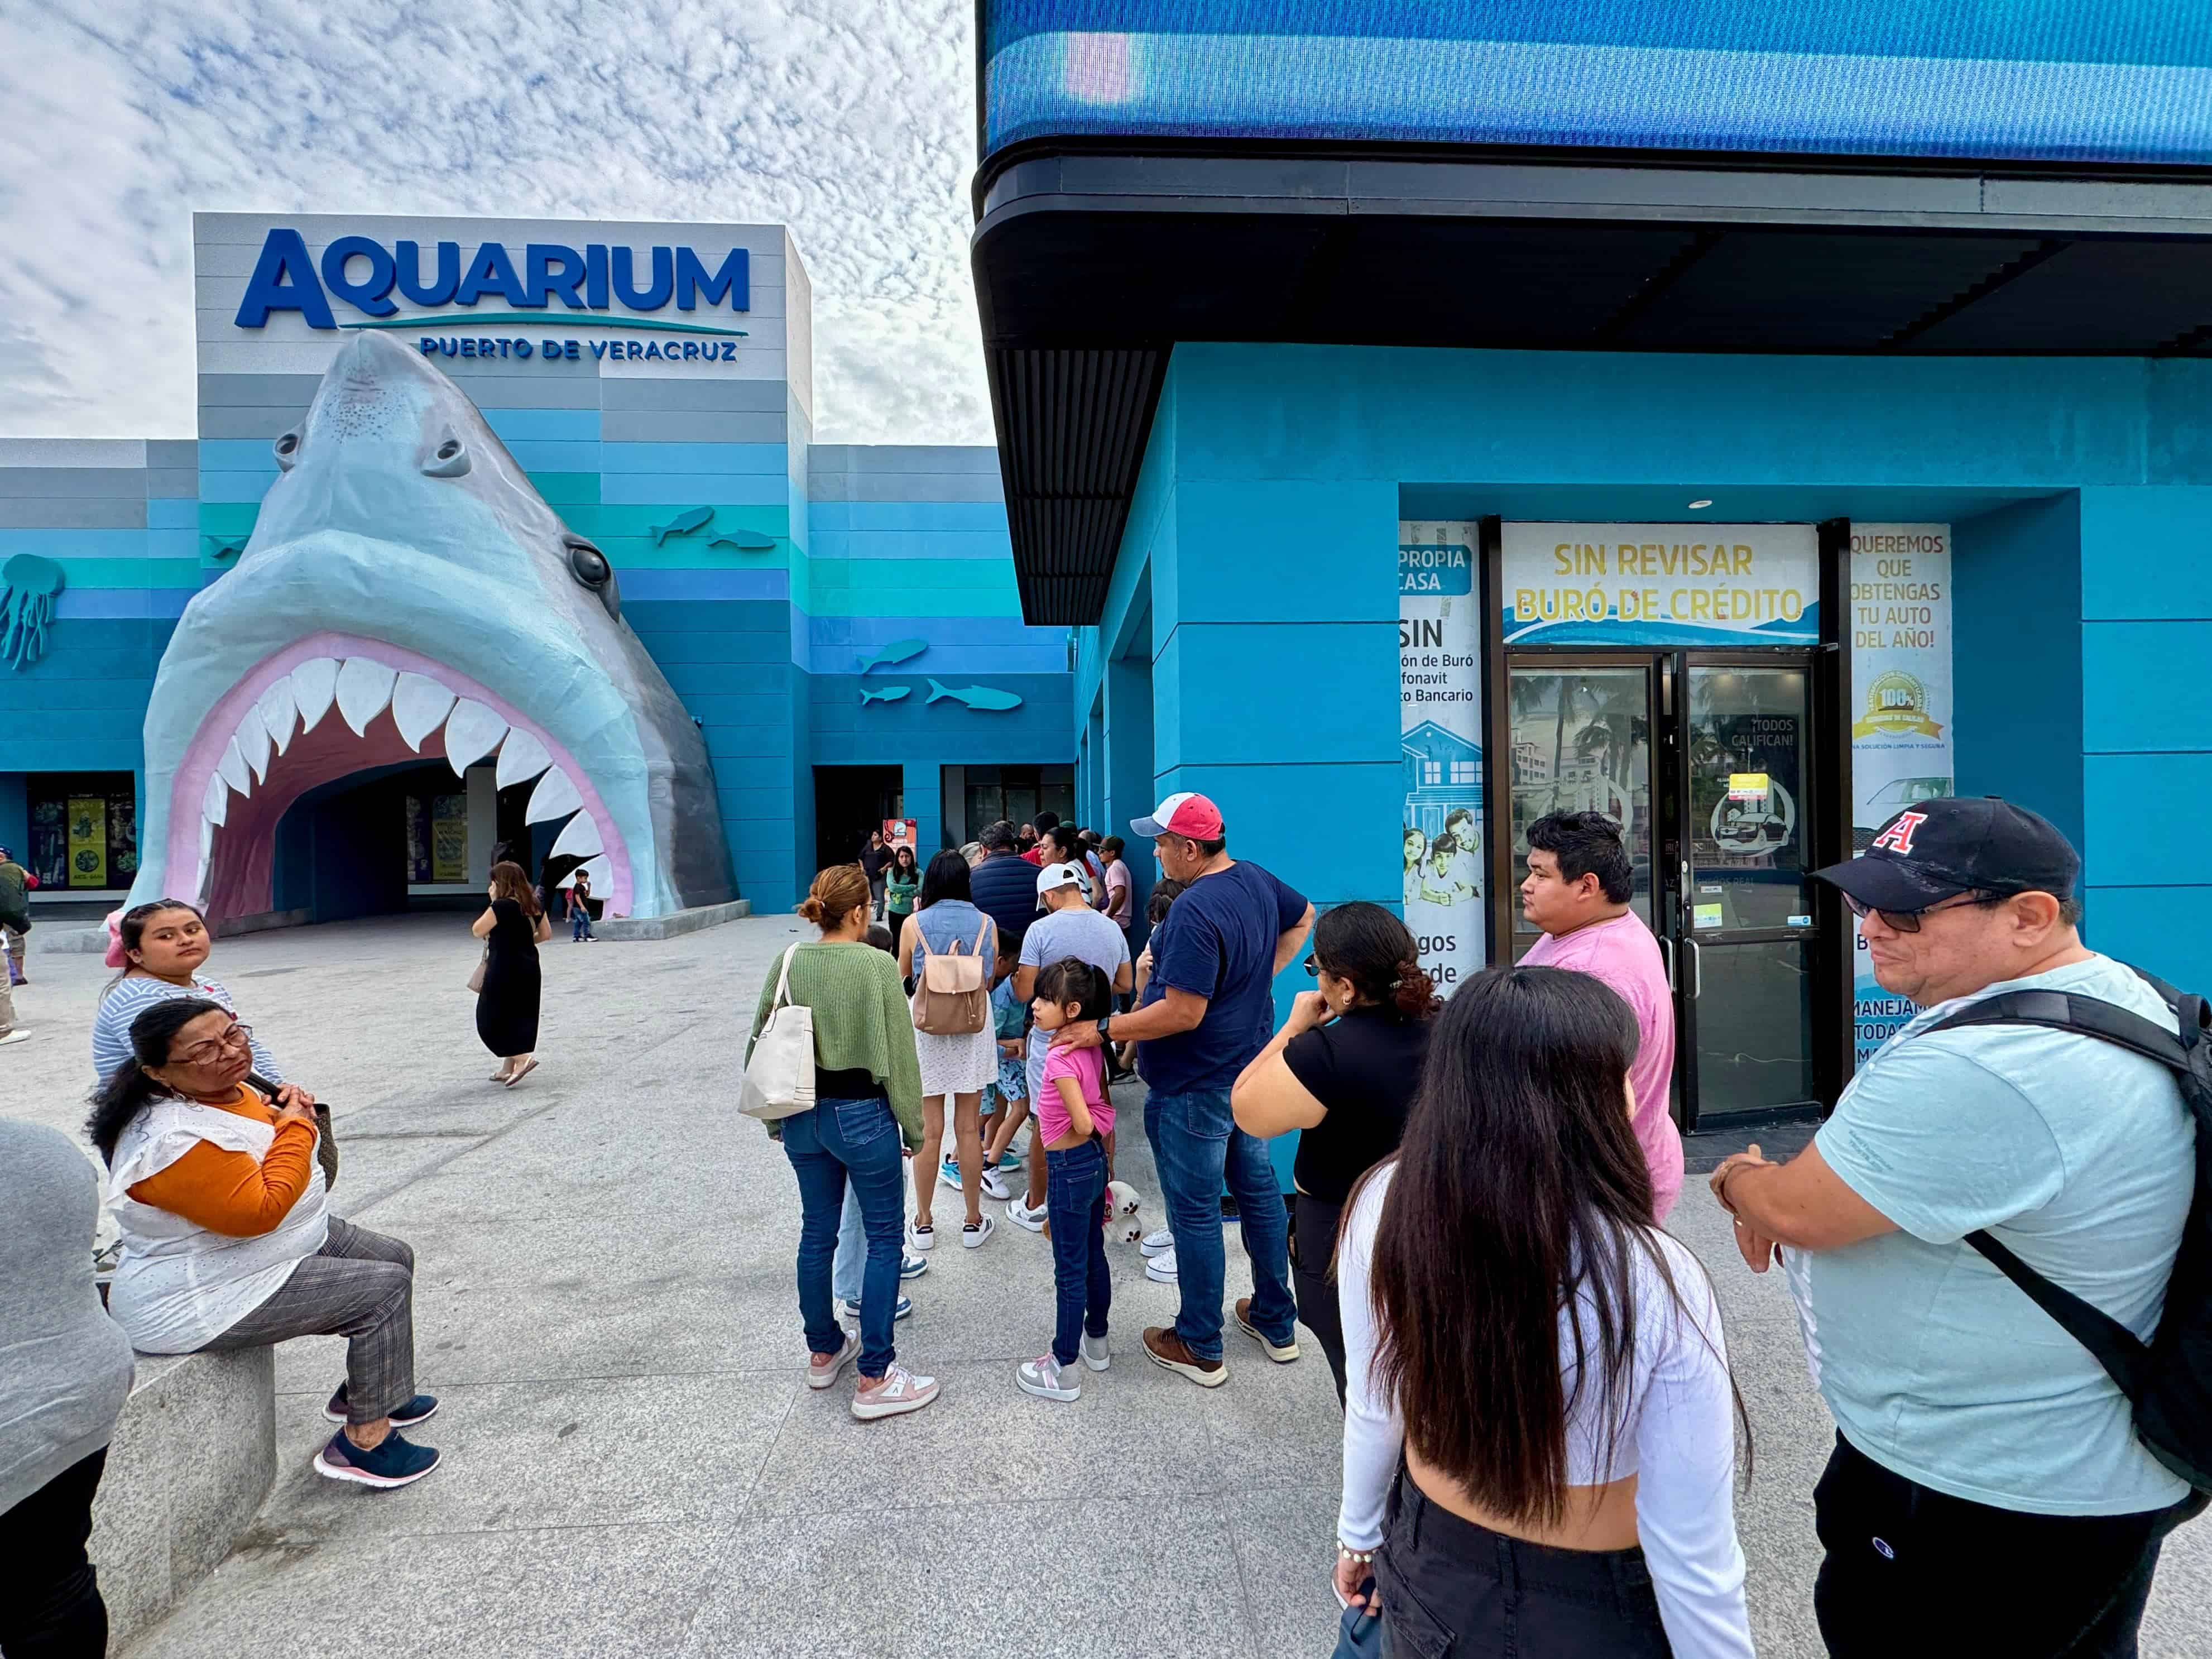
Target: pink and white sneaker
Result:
[[902, 1391]]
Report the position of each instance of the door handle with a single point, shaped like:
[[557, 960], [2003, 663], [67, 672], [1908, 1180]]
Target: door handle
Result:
[[1667, 948], [1696, 969]]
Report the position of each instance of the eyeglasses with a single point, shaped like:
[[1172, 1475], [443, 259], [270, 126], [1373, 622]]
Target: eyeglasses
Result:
[[1316, 968], [1908, 922], [206, 1053]]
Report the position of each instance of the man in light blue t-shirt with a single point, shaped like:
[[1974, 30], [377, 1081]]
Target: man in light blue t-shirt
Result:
[[1987, 1493]]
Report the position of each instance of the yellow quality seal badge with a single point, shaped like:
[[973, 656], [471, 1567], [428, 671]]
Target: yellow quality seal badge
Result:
[[1896, 706]]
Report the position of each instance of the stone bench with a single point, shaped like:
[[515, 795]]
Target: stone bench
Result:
[[193, 1457]]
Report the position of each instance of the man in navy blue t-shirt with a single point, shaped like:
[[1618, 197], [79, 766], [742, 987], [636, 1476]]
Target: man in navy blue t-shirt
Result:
[[1207, 1010]]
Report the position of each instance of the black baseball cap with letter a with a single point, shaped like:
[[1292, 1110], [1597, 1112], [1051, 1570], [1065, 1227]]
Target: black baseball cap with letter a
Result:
[[1938, 849]]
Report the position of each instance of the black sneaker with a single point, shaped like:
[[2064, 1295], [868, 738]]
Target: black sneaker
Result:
[[392, 1462], [421, 1406]]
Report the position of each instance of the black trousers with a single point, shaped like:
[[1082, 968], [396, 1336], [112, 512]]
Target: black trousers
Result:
[[1451, 1586], [1313, 1222], [55, 1612], [1909, 1572]]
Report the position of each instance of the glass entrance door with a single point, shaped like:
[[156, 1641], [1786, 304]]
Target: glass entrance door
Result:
[[1747, 929], [1708, 763]]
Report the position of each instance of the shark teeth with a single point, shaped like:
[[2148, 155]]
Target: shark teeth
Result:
[[364, 691], [419, 707], [555, 797], [314, 683], [580, 839], [361, 688]]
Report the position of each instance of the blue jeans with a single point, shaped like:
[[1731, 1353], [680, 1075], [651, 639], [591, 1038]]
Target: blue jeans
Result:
[[580, 926], [1082, 1283], [1196, 1147], [840, 1140]]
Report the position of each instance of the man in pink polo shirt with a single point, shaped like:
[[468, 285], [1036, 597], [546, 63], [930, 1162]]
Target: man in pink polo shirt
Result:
[[1578, 891]]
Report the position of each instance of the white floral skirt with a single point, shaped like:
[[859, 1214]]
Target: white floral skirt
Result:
[[957, 1065]]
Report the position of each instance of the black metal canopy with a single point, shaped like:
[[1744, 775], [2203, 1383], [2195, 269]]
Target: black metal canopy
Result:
[[1089, 266]]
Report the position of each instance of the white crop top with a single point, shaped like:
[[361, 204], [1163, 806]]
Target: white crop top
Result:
[[1677, 1434]]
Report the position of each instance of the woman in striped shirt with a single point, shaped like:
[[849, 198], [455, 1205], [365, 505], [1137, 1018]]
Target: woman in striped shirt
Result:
[[161, 947]]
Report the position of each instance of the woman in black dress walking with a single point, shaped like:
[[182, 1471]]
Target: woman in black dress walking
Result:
[[507, 1008]]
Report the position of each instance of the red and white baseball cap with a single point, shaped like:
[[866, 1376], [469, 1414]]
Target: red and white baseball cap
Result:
[[1181, 815]]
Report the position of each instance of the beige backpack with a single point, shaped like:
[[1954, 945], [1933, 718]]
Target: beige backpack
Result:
[[952, 992]]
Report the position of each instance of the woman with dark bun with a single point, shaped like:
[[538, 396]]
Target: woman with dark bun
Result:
[[1344, 1070]]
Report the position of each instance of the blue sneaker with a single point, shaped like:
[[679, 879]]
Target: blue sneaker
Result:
[[421, 1406], [394, 1461], [1010, 1159], [949, 1173], [912, 1267], [852, 1310]]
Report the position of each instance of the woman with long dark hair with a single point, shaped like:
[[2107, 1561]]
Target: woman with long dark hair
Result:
[[867, 1101], [1539, 1436], [228, 1237], [513, 926], [1343, 1071], [902, 883], [954, 1069]]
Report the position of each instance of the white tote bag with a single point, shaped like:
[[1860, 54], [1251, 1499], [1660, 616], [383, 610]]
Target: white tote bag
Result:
[[779, 1077]]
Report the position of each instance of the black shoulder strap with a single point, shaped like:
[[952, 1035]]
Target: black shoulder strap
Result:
[[2118, 1349]]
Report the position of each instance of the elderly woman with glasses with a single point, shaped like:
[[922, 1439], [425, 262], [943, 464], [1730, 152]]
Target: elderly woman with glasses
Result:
[[228, 1240]]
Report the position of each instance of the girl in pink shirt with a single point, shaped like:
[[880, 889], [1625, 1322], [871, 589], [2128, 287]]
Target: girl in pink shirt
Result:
[[1074, 1119]]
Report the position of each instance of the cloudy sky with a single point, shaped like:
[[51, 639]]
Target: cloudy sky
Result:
[[853, 121]]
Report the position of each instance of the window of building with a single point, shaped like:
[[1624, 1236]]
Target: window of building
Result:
[[84, 830], [1016, 794], [1467, 772], [1432, 772]]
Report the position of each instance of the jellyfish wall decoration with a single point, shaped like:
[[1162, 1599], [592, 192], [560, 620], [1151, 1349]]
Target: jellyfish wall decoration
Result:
[[28, 586]]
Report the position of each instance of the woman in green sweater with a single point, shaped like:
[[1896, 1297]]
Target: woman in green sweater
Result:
[[901, 881], [867, 1100]]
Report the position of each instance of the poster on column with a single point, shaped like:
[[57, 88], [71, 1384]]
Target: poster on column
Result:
[[1901, 735], [1440, 739]]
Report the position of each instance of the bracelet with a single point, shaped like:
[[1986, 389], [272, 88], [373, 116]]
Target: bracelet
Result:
[[1345, 1552], [1722, 1194]]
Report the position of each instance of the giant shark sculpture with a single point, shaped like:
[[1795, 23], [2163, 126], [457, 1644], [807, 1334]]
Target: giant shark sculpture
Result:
[[406, 592]]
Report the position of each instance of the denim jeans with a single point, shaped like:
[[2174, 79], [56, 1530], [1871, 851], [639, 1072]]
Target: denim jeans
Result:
[[838, 1140], [579, 925], [1196, 1147], [850, 1263], [1082, 1283]]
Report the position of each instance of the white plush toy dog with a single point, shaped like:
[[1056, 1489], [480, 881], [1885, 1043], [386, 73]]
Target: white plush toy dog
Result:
[[1121, 1204]]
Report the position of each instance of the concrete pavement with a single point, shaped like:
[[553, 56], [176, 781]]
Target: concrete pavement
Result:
[[633, 1465]]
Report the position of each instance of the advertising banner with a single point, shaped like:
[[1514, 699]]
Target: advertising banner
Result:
[[1440, 737], [901, 832], [1901, 735], [449, 838], [88, 841], [1712, 584]]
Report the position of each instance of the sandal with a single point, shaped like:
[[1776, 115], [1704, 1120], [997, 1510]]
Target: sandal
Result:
[[527, 1068]]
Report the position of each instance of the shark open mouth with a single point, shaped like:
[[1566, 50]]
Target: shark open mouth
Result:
[[330, 706], [408, 594]]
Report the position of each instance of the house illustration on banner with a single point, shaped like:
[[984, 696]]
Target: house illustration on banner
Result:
[[1444, 773]]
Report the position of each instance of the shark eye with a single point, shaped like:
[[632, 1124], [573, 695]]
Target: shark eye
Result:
[[287, 451], [449, 460], [591, 569]]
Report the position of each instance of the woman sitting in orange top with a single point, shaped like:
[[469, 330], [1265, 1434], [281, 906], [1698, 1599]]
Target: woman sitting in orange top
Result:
[[227, 1241]]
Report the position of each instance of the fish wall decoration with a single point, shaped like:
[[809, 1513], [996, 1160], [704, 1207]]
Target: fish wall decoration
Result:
[[681, 525], [986, 697], [745, 541], [29, 585], [888, 694], [897, 651]]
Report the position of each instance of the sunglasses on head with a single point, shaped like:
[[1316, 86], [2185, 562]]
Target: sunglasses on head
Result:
[[1908, 922]]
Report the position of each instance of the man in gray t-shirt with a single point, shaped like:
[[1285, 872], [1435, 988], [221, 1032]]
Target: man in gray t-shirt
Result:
[[1069, 927]]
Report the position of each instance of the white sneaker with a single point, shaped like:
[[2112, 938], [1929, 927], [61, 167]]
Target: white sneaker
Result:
[[994, 1185], [1162, 1266], [974, 1234], [1159, 1243], [1022, 1216], [902, 1391], [924, 1238], [19, 1034], [1094, 1353], [1042, 1376]]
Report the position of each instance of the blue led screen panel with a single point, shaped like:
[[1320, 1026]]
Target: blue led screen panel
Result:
[[2056, 81]]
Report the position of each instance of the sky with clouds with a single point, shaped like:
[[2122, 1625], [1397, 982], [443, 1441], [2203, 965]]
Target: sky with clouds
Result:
[[852, 121]]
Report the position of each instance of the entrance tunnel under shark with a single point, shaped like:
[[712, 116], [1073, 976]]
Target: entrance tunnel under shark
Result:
[[408, 594]]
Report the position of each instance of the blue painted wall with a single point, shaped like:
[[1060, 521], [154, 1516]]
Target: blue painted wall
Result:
[[1254, 589]]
